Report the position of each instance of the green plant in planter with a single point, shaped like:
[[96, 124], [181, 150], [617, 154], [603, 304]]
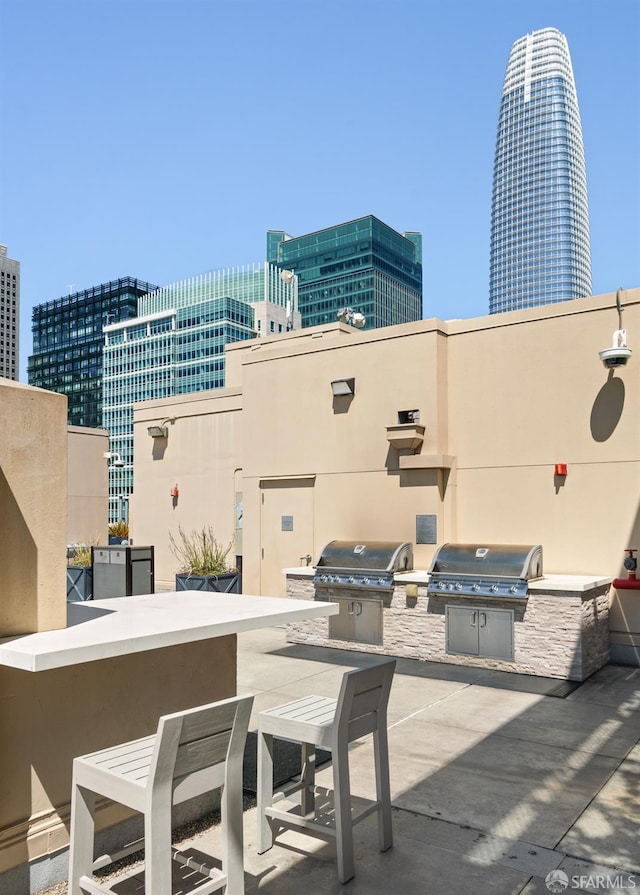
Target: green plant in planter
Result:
[[119, 529], [199, 552], [80, 556]]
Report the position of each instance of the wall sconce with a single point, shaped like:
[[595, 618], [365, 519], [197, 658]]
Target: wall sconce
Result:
[[342, 387], [161, 430]]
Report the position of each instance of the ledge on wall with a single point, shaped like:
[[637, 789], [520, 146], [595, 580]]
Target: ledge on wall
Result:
[[426, 461], [405, 437]]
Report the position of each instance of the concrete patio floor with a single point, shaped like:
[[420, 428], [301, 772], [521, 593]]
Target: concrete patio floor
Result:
[[495, 782]]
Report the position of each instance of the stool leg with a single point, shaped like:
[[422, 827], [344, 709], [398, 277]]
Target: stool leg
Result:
[[265, 790], [81, 836], [344, 826], [232, 831], [383, 788], [157, 847], [308, 779]]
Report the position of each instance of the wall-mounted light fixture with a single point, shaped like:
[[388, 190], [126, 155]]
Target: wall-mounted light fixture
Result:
[[160, 431], [342, 387]]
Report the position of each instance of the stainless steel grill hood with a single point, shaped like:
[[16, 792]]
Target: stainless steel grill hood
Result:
[[362, 564], [495, 571]]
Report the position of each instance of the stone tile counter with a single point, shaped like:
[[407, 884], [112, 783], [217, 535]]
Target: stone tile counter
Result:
[[561, 629]]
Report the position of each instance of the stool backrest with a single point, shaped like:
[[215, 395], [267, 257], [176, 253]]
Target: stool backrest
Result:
[[363, 699], [189, 742]]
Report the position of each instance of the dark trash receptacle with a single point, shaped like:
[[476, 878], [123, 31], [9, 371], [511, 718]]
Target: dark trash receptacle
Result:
[[122, 571]]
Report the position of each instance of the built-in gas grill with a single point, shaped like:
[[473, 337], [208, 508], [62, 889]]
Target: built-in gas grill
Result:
[[358, 575], [496, 571], [368, 565]]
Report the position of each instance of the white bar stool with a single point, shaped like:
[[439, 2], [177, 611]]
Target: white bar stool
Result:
[[361, 708], [191, 753]]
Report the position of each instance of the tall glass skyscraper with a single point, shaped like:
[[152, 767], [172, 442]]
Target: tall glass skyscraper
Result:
[[68, 343], [176, 343], [540, 249], [362, 264]]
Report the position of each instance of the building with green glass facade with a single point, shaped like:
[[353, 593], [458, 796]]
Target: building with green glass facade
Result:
[[176, 343], [363, 264], [68, 342]]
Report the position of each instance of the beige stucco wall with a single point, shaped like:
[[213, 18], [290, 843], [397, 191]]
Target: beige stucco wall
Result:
[[87, 485], [33, 496], [200, 456], [503, 399]]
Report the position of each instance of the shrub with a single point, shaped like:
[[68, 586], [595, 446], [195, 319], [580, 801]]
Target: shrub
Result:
[[119, 530], [199, 552], [80, 555]]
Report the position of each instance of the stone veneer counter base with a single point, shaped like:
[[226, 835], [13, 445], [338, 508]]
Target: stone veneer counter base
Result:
[[560, 630]]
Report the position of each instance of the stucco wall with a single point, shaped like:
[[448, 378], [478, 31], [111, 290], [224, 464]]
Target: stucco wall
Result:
[[199, 456], [87, 485], [33, 497], [504, 397]]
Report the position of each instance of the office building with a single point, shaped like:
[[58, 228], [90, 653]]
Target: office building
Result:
[[68, 343], [175, 345], [540, 249], [9, 315], [363, 264]]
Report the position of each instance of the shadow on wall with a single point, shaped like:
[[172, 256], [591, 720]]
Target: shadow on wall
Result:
[[607, 408], [18, 561]]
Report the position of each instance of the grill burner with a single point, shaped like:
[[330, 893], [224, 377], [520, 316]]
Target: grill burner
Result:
[[500, 571], [355, 564]]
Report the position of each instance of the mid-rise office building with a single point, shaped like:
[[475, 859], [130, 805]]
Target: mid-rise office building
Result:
[[175, 345], [540, 248], [68, 343], [363, 264], [9, 315]]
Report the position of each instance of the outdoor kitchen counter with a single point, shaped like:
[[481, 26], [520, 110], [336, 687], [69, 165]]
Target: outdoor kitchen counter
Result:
[[559, 629], [104, 629]]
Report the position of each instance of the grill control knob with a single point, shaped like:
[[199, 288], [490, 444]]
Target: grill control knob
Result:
[[458, 586], [494, 588], [324, 578], [443, 586], [475, 587], [351, 579], [365, 580], [513, 589], [381, 581]]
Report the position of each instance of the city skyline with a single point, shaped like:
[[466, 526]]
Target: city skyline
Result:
[[540, 245], [229, 121]]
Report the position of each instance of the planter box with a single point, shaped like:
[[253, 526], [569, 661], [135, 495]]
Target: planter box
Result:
[[225, 583], [79, 583]]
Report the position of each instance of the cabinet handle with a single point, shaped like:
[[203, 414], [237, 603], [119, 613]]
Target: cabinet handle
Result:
[[473, 619], [483, 619], [350, 607], [358, 608]]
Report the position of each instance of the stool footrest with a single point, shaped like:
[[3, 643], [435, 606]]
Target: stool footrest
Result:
[[217, 877], [124, 852], [322, 823]]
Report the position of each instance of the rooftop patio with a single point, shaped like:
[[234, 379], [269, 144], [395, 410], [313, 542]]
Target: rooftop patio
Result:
[[497, 779]]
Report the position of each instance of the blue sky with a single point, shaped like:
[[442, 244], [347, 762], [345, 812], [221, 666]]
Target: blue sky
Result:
[[162, 138]]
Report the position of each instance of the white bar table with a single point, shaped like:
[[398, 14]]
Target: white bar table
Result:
[[103, 629]]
